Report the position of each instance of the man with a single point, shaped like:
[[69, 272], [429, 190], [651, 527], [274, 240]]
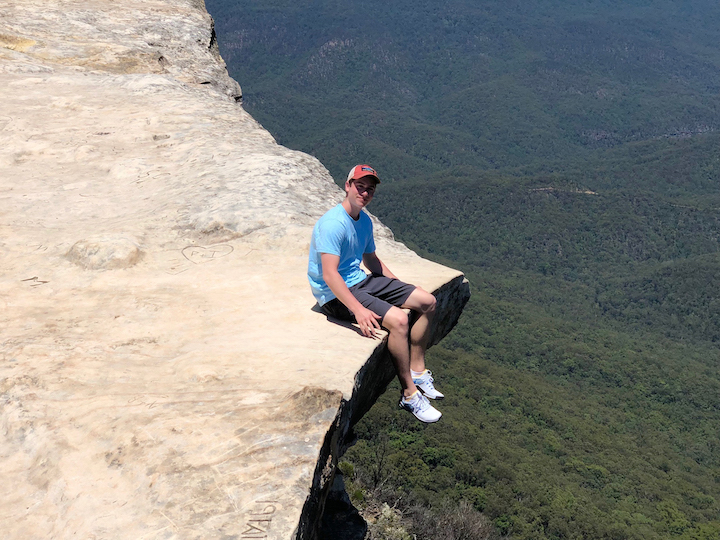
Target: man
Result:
[[341, 240]]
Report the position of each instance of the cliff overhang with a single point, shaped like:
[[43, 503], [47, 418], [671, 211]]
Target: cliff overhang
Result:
[[163, 372]]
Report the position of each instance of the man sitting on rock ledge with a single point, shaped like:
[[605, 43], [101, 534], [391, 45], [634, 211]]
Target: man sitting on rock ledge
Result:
[[341, 240]]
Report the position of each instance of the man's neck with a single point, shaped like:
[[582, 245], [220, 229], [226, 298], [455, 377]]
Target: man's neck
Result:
[[349, 209]]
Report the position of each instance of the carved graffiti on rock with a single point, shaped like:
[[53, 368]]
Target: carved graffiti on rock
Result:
[[258, 522], [203, 254]]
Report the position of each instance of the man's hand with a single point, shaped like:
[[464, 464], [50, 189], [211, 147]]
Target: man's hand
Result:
[[368, 321]]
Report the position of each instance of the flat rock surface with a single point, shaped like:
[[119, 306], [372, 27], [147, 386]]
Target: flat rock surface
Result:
[[162, 372]]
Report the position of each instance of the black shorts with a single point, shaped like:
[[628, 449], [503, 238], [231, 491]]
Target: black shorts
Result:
[[377, 293]]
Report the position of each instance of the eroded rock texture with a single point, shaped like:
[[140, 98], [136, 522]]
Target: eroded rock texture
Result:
[[162, 372]]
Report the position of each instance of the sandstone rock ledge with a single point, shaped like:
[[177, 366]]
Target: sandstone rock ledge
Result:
[[162, 372]]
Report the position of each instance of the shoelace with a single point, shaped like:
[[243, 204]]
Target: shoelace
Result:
[[427, 374], [422, 402], [429, 380]]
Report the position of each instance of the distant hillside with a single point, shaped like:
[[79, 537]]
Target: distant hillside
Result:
[[417, 86], [566, 156]]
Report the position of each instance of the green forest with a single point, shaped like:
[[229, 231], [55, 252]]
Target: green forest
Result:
[[566, 156]]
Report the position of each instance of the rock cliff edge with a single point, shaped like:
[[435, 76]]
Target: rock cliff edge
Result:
[[162, 372]]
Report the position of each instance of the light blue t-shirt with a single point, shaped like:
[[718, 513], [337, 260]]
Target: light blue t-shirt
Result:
[[339, 234]]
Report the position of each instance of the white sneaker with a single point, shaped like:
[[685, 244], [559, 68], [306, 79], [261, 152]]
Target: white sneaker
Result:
[[425, 384], [420, 407]]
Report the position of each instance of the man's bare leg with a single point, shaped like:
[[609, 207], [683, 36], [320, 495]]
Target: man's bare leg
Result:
[[423, 303], [396, 322]]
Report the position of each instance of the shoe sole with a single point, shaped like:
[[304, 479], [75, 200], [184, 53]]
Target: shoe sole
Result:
[[417, 385], [420, 419], [428, 395]]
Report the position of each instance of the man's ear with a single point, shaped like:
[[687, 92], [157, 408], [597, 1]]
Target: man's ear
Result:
[[347, 186]]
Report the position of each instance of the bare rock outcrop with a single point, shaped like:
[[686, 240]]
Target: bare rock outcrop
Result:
[[162, 372]]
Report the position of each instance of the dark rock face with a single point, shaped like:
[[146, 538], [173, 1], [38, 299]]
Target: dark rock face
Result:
[[341, 519], [326, 510]]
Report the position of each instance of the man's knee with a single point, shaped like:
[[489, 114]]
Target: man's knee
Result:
[[396, 320], [432, 304]]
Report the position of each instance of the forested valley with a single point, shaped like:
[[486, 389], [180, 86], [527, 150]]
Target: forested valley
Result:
[[565, 155]]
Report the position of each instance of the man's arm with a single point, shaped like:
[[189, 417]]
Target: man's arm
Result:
[[368, 320], [376, 266]]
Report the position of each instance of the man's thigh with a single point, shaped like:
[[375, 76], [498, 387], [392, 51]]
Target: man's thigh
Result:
[[380, 294], [335, 308], [419, 300], [390, 290], [376, 293], [374, 304]]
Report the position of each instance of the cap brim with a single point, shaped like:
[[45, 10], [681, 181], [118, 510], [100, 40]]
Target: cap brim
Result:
[[377, 180]]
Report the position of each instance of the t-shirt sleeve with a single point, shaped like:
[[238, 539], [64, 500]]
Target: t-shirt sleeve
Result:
[[329, 237]]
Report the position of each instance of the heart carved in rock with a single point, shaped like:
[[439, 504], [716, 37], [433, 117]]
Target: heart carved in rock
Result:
[[203, 254]]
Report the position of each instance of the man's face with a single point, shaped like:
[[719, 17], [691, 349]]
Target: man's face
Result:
[[360, 192]]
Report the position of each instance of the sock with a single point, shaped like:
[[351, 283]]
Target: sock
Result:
[[417, 374]]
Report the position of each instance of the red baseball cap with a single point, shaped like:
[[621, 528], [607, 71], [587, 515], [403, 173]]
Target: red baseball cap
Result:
[[361, 171]]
